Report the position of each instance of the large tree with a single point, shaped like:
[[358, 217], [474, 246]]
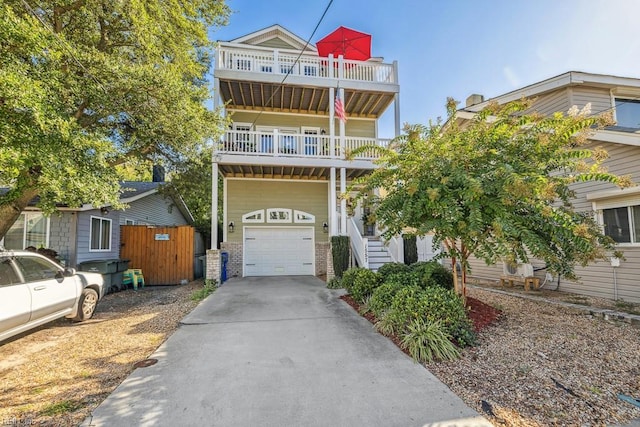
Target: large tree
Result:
[[86, 85], [498, 186]]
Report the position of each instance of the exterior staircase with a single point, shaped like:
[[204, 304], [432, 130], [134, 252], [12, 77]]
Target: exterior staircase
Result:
[[378, 253]]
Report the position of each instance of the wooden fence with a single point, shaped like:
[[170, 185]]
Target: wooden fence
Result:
[[165, 254]]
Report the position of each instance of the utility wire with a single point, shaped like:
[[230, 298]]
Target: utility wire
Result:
[[289, 69]]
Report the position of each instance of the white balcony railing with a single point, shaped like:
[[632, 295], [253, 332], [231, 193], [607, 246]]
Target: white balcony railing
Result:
[[275, 143], [275, 62]]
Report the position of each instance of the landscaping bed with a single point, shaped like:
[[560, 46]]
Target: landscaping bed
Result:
[[55, 375]]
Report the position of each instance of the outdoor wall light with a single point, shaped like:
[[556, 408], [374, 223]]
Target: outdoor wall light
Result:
[[325, 227], [104, 210], [231, 226]]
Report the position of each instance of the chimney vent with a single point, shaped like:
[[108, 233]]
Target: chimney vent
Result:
[[474, 99]]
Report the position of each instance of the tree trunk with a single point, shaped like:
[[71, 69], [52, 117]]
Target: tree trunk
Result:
[[456, 285], [10, 210]]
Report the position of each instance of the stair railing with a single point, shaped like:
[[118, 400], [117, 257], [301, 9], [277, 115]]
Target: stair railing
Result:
[[359, 244]]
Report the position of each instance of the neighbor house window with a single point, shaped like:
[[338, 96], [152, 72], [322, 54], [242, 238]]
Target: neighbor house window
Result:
[[100, 234], [622, 224], [628, 113], [30, 229]]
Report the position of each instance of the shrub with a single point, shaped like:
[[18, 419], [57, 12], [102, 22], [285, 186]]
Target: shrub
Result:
[[430, 305], [340, 254], [382, 296], [207, 289], [403, 309], [428, 340], [364, 283], [407, 279], [392, 268], [432, 273], [349, 277], [334, 283], [448, 307], [410, 249]]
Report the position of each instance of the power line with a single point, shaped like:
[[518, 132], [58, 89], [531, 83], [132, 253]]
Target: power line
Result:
[[289, 69]]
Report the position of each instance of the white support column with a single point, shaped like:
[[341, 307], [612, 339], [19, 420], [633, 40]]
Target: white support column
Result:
[[333, 217], [214, 204], [396, 104], [332, 122], [343, 202], [343, 140]]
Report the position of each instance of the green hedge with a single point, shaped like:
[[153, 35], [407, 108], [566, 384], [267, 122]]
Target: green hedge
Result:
[[360, 283], [340, 254], [432, 273], [393, 268]]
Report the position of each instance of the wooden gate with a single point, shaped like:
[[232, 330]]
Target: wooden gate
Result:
[[165, 254]]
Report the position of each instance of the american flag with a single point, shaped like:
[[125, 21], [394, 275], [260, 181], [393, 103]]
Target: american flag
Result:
[[339, 107]]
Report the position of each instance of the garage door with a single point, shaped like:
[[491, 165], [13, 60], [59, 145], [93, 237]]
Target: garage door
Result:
[[278, 251]]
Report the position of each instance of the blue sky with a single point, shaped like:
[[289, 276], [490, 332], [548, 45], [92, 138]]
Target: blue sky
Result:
[[459, 47]]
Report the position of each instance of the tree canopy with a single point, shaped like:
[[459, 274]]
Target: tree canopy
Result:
[[498, 186], [86, 85]]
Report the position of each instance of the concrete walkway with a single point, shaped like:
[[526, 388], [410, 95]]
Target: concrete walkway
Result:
[[280, 351]]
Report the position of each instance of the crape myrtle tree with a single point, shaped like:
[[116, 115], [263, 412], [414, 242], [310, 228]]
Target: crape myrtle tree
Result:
[[498, 186], [87, 85]]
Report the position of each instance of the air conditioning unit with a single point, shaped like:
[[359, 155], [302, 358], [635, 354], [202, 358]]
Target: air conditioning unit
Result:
[[517, 269]]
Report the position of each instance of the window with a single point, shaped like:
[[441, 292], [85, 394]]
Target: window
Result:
[[30, 229], [35, 269], [100, 235], [622, 224], [129, 222], [278, 215], [303, 217], [255, 216], [7, 275], [628, 113]]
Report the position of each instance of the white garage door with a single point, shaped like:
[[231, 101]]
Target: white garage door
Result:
[[278, 251]]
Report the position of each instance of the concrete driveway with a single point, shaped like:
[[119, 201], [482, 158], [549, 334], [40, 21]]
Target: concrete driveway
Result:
[[280, 351]]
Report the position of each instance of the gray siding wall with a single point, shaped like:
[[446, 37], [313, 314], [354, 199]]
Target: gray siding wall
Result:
[[365, 128], [84, 225], [600, 98], [153, 210], [62, 235], [551, 102]]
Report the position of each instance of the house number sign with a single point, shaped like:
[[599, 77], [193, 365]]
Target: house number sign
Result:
[[162, 237]]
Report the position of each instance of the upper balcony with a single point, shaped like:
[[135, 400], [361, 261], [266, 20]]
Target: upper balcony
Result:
[[252, 78]]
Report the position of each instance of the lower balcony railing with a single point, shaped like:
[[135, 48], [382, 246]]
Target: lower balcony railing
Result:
[[296, 145]]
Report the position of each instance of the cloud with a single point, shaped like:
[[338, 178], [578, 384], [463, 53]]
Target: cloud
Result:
[[511, 76]]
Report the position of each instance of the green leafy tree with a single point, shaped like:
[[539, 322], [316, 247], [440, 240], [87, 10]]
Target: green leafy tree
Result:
[[498, 187], [87, 85]]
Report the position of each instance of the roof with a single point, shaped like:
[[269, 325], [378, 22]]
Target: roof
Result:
[[571, 78], [132, 191], [271, 32]]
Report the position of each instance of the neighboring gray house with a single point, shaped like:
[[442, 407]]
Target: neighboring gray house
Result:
[[89, 233], [618, 211]]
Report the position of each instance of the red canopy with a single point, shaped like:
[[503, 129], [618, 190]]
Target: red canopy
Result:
[[351, 44]]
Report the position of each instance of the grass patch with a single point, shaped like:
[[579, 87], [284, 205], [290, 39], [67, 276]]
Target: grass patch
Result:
[[208, 288], [61, 407]]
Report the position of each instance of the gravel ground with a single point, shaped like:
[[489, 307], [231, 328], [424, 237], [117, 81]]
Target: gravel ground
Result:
[[56, 375], [544, 365]]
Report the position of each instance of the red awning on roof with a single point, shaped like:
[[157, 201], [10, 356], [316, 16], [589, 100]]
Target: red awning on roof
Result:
[[351, 44]]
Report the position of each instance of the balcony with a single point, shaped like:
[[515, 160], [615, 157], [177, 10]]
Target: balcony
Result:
[[275, 62], [251, 78], [241, 152]]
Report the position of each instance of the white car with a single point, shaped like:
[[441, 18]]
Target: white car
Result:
[[35, 290]]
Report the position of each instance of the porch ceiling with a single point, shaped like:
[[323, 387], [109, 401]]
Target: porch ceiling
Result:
[[285, 172], [249, 95]]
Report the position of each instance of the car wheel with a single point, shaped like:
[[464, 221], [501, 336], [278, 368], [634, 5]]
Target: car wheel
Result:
[[86, 304]]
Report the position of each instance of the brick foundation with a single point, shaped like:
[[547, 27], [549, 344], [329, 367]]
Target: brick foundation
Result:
[[234, 266], [213, 265], [322, 251]]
